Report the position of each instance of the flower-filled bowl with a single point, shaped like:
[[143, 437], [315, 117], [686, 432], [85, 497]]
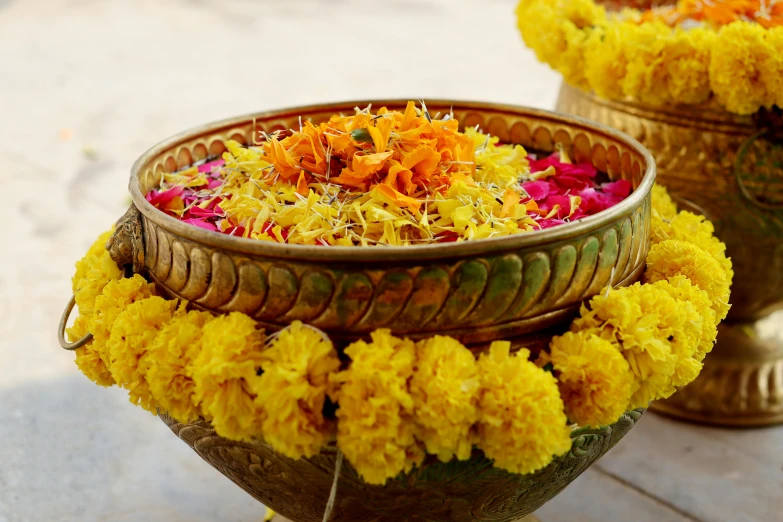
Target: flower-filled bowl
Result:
[[448, 319], [476, 291]]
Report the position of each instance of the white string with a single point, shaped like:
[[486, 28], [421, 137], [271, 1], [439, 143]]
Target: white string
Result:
[[333, 493]]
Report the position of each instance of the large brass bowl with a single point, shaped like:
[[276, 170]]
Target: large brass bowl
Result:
[[511, 287], [520, 288], [729, 169]]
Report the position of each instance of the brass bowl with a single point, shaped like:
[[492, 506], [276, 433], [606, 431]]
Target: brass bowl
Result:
[[466, 491], [512, 287], [517, 288], [727, 168]]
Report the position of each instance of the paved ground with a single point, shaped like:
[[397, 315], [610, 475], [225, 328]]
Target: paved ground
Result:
[[87, 85]]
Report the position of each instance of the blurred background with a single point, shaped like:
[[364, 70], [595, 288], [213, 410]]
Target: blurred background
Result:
[[86, 86]]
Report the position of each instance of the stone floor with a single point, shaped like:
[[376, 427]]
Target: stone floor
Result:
[[87, 85]]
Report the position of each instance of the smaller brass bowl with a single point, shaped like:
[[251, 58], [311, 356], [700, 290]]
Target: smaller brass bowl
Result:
[[513, 287]]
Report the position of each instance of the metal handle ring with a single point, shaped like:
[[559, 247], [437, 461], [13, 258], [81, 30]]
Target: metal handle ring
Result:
[[61, 330]]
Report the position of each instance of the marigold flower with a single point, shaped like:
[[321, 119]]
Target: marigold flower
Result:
[[88, 360], [94, 359], [93, 272], [734, 67], [680, 287], [658, 334], [375, 428], [132, 333], [225, 374], [293, 388], [672, 257], [694, 229], [594, 378], [170, 358], [662, 204], [522, 425], [445, 389], [605, 63], [558, 37], [681, 54]]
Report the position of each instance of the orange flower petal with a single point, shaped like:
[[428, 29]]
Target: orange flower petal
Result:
[[301, 186], [365, 165], [424, 159], [399, 199], [284, 163], [510, 198]]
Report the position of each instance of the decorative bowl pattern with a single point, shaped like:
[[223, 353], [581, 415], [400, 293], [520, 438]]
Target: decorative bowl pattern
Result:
[[467, 491], [510, 287]]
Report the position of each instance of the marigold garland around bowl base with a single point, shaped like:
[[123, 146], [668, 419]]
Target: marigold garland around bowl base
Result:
[[471, 490], [715, 165]]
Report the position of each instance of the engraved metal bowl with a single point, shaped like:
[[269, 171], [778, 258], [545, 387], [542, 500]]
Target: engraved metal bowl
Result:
[[520, 288], [514, 287], [458, 491]]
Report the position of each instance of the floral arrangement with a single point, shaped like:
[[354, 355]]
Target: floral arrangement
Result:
[[388, 401], [690, 53], [383, 178]]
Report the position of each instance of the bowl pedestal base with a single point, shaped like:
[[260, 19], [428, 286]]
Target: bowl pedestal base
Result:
[[742, 380]]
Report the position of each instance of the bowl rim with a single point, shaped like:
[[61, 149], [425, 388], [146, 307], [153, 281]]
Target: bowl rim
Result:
[[386, 253]]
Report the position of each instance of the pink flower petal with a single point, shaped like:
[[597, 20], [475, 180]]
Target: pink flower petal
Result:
[[209, 167], [572, 182], [161, 198], [549, 223], [538, 190], [203, 212], [592, 201], [621, 188], [201, 223], [563, 201], [584, 170]]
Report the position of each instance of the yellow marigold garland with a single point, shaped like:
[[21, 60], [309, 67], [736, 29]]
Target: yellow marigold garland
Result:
[[622, 55], [115, 297], [522, 425], [688, 227], [672, 257], [595, 380], [225, 374], [445, 389], [651, 328], [293, 388], [132, 333], [396, 398], [663, 208], [375, 417], [681, 288], [173, 351], [93, 272]]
